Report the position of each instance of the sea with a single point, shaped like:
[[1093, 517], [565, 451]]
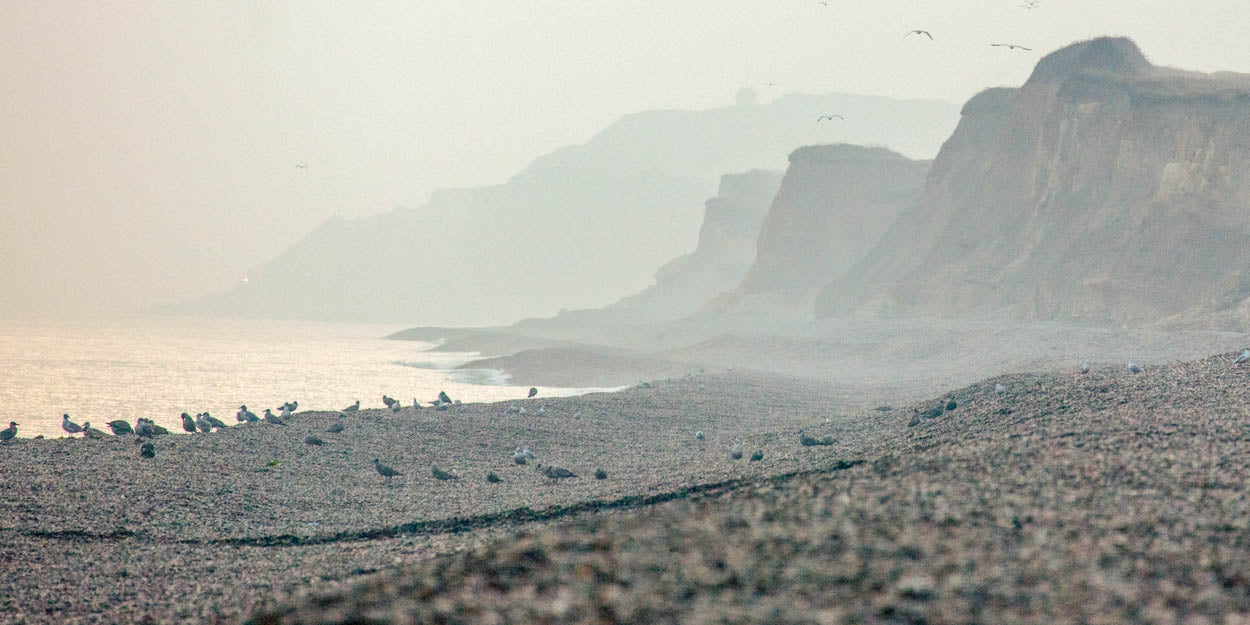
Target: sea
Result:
[[161, 366]]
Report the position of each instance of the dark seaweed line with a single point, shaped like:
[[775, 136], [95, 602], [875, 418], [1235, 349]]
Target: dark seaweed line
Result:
[[453, 525]]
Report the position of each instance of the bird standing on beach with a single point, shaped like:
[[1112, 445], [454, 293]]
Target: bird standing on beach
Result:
[[246, 416], [1243, 357], [120, 427], [555, 473], [1085, 367], [522, 455], [91, 432], [69, 426], [735, 452], [188, 423], [1134, 367], [758, 455], [203, 423], [699, 435], [533, 391], [8, 433], [384, 470], [1000, 389], [214, 421], [313, 440], [270, 417], [388, 401], [335, 428], [143, 428], [147, 450], [396, 407], [353, 408], [443, 397], [286, 411], [441, 474]]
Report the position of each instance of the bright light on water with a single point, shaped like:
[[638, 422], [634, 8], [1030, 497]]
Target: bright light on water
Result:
[[159, 367]]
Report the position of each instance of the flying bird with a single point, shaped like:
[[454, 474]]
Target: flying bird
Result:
[[301, 166], [830, 117], [918, 31], [1009, 46]]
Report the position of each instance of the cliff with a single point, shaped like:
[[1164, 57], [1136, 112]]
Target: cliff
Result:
[[835, 202], [726, 249], [1103, 189], [579, 227]]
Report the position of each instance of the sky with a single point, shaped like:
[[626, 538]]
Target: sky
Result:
[[148, 150]]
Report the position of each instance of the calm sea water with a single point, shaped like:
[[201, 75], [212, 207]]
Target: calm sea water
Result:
[[159, 367]]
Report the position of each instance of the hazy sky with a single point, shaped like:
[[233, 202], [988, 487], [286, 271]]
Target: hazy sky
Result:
[[149, 148]]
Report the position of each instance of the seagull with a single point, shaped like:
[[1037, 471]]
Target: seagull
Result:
[[387, 401], [522, 454], [143, 427], [1243, 357], [313, 440], [735, 452], [286, 411], [214, 421], [757, 456], [699, 435], [91, 432], [301, 166], [600, 474], [416, 405], [245, 415], [542, 410], [1000, 389], [336, 427], [396, 406], [1085, 367], [1134, 367], [8, 433], [441, 474], [203, 423], [148, 450], [492, 478], [1009, 46], [443, 397], [292, 405], [385, 471], [188, 423], [919, 32], [808, 441], [555, 473], [533, 391], [830, 117], [69, 426], [270, 417], [120, 427], [353, 408]]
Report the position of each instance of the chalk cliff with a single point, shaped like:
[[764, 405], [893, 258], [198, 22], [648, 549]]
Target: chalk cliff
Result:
[[1104, 188]]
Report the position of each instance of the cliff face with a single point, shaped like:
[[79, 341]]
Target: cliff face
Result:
[[835, 202], [726, 249], [579, 227], [1104, 188]]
